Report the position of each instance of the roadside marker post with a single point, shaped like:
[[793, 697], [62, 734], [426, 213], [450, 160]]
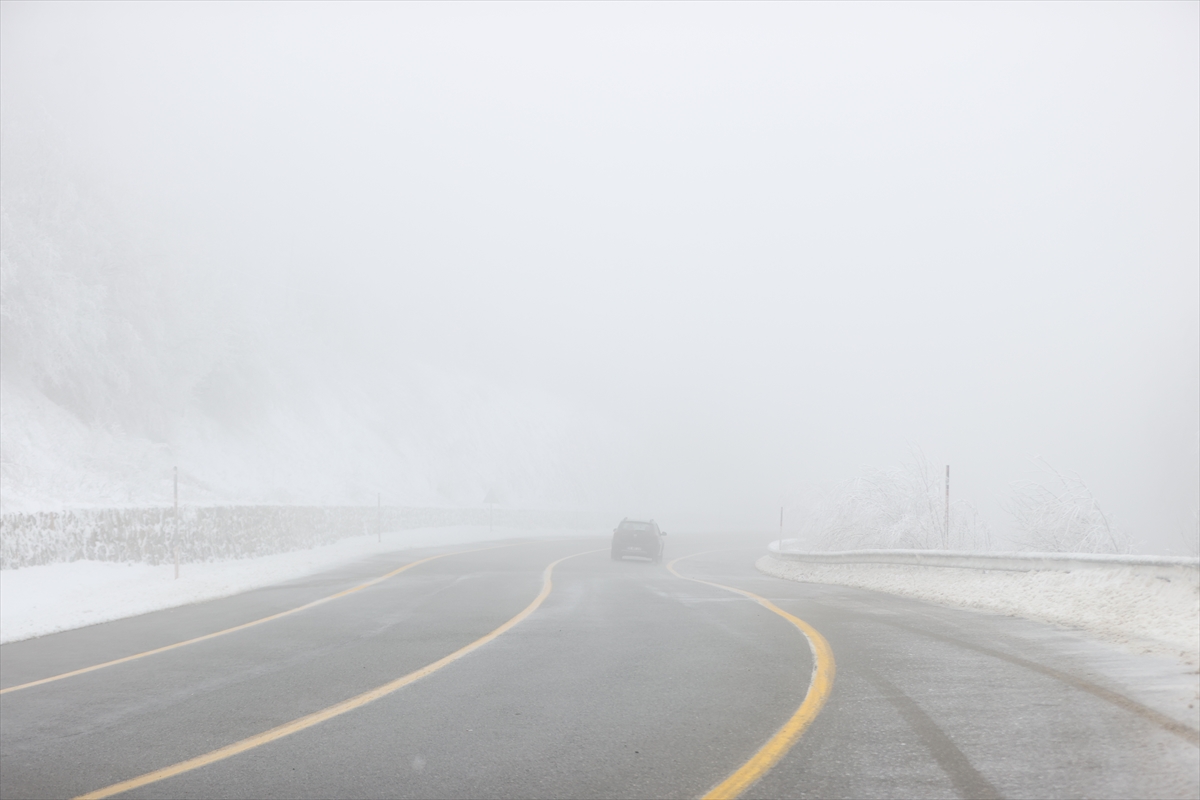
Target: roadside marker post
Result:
[[946, 535], [175, 538], [490, 501]]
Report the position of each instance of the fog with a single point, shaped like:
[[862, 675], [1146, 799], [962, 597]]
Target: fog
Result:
[[684, 260]]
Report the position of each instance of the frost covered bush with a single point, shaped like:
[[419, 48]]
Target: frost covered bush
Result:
[[904, 508], [1061, 515], [898, 508]]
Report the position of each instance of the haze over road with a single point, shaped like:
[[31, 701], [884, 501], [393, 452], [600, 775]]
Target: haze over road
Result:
[[626, 681]]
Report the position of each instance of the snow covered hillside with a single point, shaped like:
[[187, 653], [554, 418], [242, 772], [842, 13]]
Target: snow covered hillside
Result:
[[120, 363]]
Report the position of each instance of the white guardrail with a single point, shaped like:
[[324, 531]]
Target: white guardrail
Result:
[[1152, 602], [1181, 566]]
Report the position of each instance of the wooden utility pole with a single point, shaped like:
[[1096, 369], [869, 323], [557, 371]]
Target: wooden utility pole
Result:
[[781, 530], [379, 515], [176, 536]]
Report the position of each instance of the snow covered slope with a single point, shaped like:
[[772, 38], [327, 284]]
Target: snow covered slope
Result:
[[120, 363]]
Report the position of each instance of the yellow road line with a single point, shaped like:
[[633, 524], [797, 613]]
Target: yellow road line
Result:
[[819, 687], [244, 625], [337, 709]]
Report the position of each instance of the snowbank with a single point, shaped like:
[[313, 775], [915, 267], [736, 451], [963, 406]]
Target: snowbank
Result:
[[55, 597], [1148, 604]]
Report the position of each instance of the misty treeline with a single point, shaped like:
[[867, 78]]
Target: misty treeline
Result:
[[904, 507], [124, 357]]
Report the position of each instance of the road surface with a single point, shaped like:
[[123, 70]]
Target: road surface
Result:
[[624, 679]]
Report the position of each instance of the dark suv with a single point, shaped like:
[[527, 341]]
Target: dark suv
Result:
[[634, 537]]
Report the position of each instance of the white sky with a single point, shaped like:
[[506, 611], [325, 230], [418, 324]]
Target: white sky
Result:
[[777, 241]]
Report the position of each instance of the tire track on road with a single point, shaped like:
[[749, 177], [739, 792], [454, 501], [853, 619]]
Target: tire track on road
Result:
[[1185, 732], [958, 768]]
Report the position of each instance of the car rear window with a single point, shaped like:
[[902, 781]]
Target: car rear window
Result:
[[637, 526]]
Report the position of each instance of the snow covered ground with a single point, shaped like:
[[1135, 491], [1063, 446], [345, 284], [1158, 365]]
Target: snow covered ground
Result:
[[1128, 605], [38, 600]]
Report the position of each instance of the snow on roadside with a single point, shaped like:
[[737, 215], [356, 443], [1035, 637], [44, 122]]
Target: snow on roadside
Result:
[[35, 601], [1123, 606]]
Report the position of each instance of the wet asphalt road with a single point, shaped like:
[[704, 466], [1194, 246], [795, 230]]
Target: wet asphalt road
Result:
[[626, 682]]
